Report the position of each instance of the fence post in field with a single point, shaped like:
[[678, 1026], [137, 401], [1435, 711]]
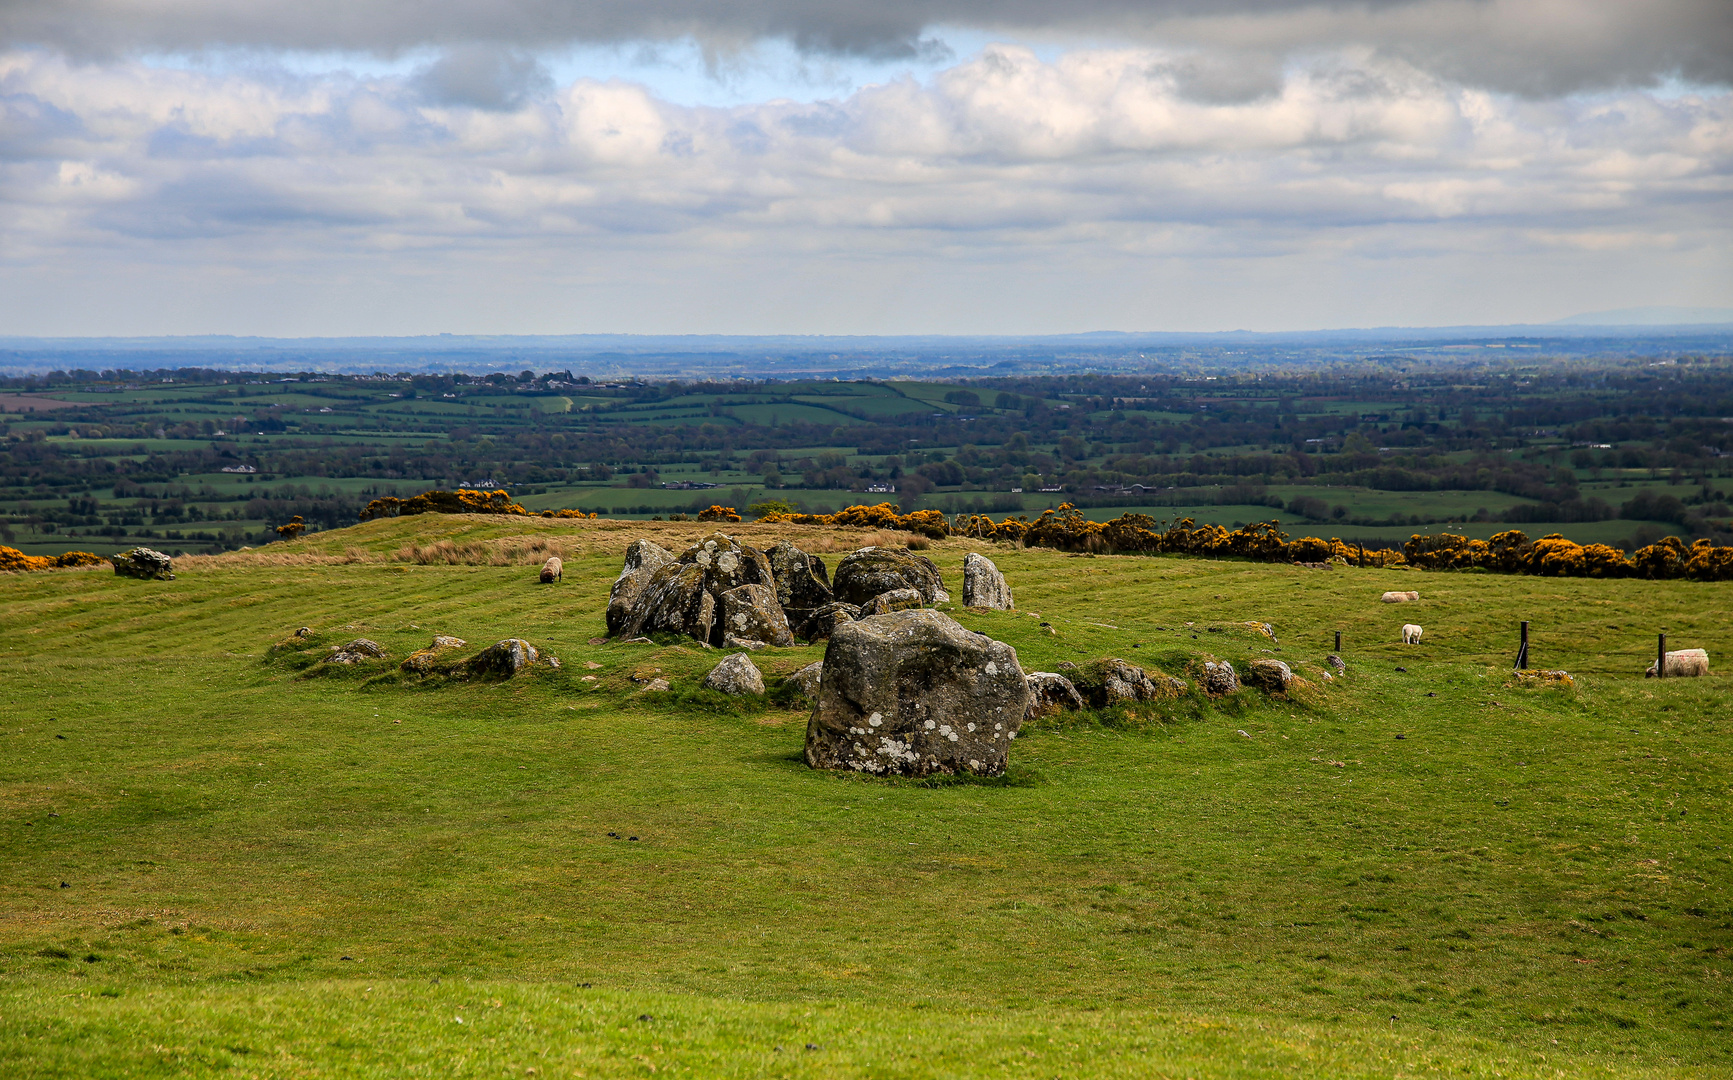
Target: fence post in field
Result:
[[1522, 650], [1661, 657], [1338, 643]]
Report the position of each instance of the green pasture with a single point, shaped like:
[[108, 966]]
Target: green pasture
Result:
[[225, 858]]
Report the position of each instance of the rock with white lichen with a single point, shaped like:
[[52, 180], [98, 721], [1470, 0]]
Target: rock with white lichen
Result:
[[984, 586], [802, 585], [751, 613], [808, 679], [143, 562], [1270, 676], [866, 573], [355, 652], [736, 674], [914, 693], [686, 596], [1051, 693], [503, 659], [643, 559], [895, 600], [823, 622]]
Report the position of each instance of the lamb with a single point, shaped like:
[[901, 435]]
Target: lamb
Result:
[[1400, 597], [1410, 634], [1684, 663], [553, 570]]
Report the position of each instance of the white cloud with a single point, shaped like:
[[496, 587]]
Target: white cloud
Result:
[[1040, 191]]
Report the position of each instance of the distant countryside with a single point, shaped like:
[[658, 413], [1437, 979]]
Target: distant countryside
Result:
[[195, 460]]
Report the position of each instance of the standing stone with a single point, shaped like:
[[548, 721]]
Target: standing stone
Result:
[[914, 693], [643, 559], [1050, 693], [750, 612], [685, 596], [823, 622], [984, 586], [143, 562], [736, 674], [802, 586], [870, 571], [1271, 676]]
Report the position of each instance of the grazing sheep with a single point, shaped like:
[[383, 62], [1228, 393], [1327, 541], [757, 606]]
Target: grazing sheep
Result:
[[1410, 634], [1400, 597], [1683, 664], [553, 570]]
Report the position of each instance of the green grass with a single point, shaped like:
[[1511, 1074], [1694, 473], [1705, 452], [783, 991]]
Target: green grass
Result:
[[274, 869]]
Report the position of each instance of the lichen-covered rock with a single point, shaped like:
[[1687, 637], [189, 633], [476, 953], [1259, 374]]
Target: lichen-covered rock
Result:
[[1336, 663], [823, 622], [729, 641], [1111, 681], [1270, 676], [914, 693], [751, 612], [504, 658], [984, 586], [802, 585], [426, 661], [354, 652], [656, 686], [685, 596], [736, 674], [1219, 678], [145, 563], [895, 600], [866, 573], [643, 559], [1050, 693], [808, 679]]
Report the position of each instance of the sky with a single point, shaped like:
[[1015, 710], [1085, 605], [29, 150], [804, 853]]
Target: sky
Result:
[[349, 167]]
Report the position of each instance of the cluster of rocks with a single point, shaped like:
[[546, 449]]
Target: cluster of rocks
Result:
[[143, 562], [723, 593], [503, 659]]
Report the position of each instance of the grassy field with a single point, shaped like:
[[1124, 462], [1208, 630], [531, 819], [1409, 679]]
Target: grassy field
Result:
[[223, 858]]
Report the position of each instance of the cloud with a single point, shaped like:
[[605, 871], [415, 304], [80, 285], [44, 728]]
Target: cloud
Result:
[[483, 77], [1538, 47]]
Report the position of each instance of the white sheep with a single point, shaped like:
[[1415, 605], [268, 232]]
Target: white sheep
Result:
[[1683, 664], [553, 570], [1400, 597], [1410, 634]]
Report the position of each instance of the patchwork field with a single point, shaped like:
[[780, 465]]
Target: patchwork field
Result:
[[222, 857]]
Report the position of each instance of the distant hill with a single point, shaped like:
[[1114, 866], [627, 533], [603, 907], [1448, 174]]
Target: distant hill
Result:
[[1652, 316]]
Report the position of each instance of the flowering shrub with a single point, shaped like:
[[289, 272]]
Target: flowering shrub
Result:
[[11, 559], [930, 523], [461, 501], [719, 513], [294, 528]]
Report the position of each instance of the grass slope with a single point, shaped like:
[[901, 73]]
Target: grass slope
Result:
[[275, 869]]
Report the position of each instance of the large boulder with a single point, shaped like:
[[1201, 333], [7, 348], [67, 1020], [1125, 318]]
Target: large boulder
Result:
[[751, 613], [1270, 676], [736, 674], [643, 559], [866, 573], [895, 600], [1050, 693], [685, 596], [504, 658], [802, 585], [915, 693], [984, 586], [823, 622], [143, 562]]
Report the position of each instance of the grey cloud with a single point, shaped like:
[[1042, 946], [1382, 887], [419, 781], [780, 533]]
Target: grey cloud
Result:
[[483, 77], [1526, 46]]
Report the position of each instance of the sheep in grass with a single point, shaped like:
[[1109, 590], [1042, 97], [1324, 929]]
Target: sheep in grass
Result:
[[553, 570], [1683, 664], [1400, 597], [1410, 634]]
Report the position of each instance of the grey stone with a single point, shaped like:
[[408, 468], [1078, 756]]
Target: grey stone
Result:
[[1271, 676], [685, 596], [643, 559], [895, 600], [655, 686], [866, 573], [1050, 693], [426, 661], [751, 612], [984, 586], [914, 693], [356, 651], [808, 679], [1112, 681], [729, 641], [736, 674], [823, 622], [145, 563], [802, 586], [1219, 678], [504, 658], [1336, 662]]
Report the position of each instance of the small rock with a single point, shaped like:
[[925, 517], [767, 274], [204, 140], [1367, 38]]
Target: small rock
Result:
[[1219, 678], [355, 652], [808, 679], [729, 641], [305, 631], [426, 661], [504, 658], [655, 685], [1242, 733], [895, 600], [1050, 693], [1271, 676], [1336, 662], [736, 674]]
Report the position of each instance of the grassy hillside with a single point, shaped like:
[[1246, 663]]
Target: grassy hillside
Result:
[[223, 858]]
